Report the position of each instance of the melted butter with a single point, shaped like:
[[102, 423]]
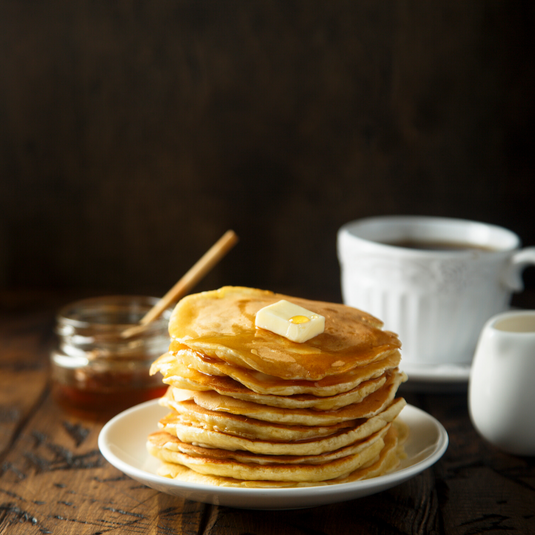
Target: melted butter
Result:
[[298, 320]]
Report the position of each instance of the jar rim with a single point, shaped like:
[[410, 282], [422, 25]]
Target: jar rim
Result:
[[83, 313]]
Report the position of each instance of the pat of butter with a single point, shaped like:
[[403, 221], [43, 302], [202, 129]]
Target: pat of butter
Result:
[[291, 321]]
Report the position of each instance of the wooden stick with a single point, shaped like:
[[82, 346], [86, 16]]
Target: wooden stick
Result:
[[188, 281]]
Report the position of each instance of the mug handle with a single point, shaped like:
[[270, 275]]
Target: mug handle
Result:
[[513, 275]]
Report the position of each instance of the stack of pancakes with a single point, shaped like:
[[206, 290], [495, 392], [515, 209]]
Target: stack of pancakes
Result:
[[250, 408]]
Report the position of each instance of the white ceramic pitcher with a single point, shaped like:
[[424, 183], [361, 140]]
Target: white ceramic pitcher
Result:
[[502, 382]]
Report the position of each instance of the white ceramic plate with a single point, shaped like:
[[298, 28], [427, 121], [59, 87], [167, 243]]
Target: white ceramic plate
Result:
[[122, 442]]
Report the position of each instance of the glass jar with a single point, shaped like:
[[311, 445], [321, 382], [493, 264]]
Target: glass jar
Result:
[[96, 372]]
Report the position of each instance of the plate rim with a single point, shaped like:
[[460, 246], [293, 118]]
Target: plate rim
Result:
[[342, 490]]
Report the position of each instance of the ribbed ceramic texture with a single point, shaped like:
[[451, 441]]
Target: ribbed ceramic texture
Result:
[[437, 308]]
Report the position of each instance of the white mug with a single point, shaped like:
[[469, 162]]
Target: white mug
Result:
[[501, 390], [437, 301]]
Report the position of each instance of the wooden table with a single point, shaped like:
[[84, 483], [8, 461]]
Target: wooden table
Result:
[[53, 478]]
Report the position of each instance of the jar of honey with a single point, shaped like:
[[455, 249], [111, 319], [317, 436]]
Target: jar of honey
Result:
[[96, 371]]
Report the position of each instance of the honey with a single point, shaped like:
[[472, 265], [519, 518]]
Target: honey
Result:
[[96, 372]]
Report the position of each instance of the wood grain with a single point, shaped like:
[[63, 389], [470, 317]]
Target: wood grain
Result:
[[473, 471], [54, 480], [23, 371]]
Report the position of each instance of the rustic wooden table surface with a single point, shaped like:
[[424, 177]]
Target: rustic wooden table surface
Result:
[[53, 478]]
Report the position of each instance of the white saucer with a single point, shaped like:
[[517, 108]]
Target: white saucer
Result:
[[445, 373], [122, 442]]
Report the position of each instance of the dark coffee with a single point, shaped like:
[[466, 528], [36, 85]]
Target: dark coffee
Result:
[[438, 245]]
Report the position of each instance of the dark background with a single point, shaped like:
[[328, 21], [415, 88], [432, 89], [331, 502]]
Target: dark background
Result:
[[133, 134]]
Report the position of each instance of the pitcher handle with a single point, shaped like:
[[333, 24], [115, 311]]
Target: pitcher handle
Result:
[[513, 274]]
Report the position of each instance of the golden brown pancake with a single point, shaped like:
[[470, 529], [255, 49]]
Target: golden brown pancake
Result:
[[387, 460], [210, 400], [190, 414], [162, 439], [214, 439], [366, 450], [221, 323], [182, 365], [250, 408]]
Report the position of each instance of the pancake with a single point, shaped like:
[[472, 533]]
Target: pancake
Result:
[[180, 366], [190, 414], [221, 323], [387, 460], [366, 450], [374, 403], [162, 439], [214, 439], [230, 388], [251, 408], [304, 401]]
